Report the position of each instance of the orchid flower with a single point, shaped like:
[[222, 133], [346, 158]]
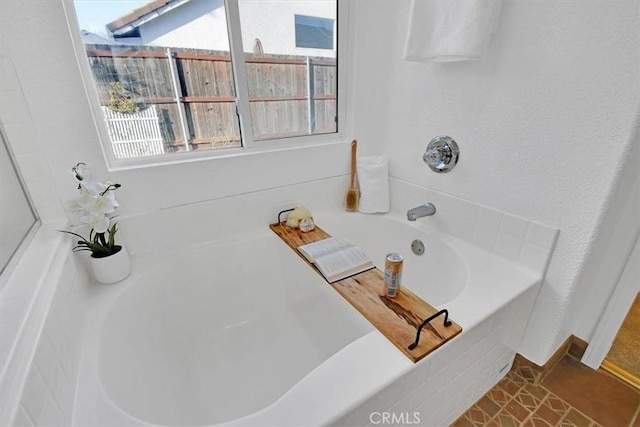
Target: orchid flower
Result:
[[92, 187], [95, 202], [98, 205], [99, 223]]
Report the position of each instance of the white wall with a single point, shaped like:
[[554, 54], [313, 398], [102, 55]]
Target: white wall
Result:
[[616, 310], [617, 234], [57, 131], [273, 22], [197, 24], [201, 24], [543, 122]]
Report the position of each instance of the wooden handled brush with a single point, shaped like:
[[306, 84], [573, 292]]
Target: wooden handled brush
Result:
[[352, 195]]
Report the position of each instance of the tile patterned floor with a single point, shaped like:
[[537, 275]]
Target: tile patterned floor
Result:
[[515, 401]]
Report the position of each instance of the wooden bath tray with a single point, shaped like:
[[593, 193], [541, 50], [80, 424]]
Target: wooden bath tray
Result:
[[396, 318]]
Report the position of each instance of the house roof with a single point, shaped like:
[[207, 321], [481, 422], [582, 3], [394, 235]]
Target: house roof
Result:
[[139, 16], [92, 38]]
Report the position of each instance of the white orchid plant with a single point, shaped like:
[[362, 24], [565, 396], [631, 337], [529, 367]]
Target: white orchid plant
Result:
[[95, 207]]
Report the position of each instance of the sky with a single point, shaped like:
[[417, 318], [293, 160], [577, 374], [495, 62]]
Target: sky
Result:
[[94, 14]]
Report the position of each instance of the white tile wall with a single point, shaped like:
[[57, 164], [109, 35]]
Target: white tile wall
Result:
[[22, 136], [28, 288], [447, 382], [229, 217], [514, 238], [49, 392], [508, 236], [41, 329]]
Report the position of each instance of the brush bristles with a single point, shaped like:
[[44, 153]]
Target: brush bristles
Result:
[[351, 200]]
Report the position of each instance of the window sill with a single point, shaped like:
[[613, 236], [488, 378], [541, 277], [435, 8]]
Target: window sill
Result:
[[258, 148]]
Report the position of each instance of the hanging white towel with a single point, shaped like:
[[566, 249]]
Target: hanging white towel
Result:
[[373, 177], [450, 30]]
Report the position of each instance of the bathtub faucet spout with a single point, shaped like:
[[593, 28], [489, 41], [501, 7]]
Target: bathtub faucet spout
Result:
[[427, 209]]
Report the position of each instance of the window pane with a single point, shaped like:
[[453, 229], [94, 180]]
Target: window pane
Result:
[[163, 73], [314, 32], [290, 50], [16, 215]]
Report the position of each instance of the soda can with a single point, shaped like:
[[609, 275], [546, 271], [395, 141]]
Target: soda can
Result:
[[392, 274]]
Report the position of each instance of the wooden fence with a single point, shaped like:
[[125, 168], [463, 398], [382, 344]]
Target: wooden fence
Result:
[[193, 91]]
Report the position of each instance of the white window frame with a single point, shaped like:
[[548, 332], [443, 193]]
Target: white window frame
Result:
[[249, 145]]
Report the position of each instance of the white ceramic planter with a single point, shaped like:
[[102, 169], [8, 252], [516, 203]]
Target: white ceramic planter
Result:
[[111, 269]]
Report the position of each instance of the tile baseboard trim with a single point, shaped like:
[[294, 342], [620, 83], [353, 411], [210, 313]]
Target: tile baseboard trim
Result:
[[573, 346]]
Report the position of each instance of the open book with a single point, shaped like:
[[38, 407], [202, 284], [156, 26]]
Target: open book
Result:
[[336, 258]]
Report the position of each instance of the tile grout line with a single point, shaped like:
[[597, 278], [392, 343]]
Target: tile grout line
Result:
[[504, 406], [521, 382], [532, 412], [522, 387], [570, 407]]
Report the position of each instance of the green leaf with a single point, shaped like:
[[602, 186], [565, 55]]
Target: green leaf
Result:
[[73, 234], [97, 243], [112, 236]]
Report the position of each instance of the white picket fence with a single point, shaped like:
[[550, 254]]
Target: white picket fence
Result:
[[134, 135]]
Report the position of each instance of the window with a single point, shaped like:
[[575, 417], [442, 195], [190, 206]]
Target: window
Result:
[[314, 32], [175, 76], [17, 216]]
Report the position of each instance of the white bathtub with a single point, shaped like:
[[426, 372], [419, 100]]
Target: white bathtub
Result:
[[242, 332]]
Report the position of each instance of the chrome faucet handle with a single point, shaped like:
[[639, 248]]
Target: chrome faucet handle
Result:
[[437, 156], [442, 154]]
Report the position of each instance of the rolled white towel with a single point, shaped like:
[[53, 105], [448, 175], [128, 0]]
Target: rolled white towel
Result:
[[450, 30], [373, 176]]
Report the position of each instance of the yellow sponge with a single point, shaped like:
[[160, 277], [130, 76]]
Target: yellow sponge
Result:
[[301, 218]]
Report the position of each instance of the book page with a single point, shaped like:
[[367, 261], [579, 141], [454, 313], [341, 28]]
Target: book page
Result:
[[315, 250], [344, 263]]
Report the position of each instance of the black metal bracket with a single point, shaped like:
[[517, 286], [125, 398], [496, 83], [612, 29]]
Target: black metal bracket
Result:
[[284, 211], [426, 321]]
